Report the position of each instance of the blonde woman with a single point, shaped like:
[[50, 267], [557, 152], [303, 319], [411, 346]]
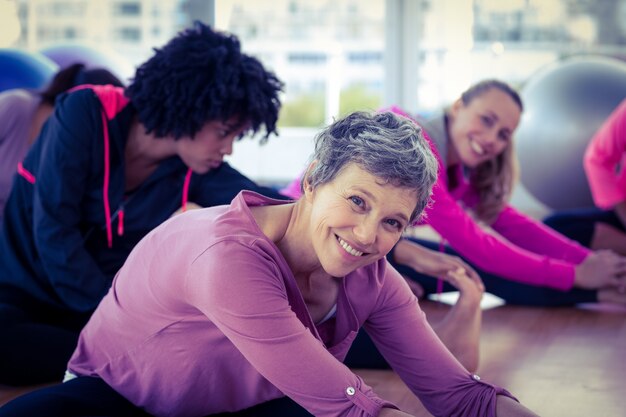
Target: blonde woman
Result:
[[524, 261]]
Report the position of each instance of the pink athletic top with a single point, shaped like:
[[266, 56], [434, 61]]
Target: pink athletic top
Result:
[[206, 317], [530, 252], [604, 160]]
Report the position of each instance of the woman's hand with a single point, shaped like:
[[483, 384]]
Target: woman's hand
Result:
[[439, 265], [471, 288], [602, 269]]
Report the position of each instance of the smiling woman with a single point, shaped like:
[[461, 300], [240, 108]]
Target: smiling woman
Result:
[[520, 259], [204, 335]]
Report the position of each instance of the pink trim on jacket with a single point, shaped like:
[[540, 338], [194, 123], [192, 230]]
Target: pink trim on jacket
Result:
[[186, 190], [120, 223], [25, 174], [113, 101], [105, 185]]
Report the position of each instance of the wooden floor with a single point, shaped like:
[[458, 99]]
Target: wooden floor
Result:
[[558, 362]]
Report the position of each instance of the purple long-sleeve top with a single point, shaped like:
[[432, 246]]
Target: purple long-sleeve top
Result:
[[206, 317]]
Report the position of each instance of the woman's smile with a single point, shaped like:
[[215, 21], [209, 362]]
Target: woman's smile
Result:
[[477, 148], [349, 248]]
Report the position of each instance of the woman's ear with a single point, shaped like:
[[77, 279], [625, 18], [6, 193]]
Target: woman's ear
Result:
[[456, 106], [306, 184]]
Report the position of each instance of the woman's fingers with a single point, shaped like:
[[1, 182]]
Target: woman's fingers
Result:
[[459, 278], [469, 272]]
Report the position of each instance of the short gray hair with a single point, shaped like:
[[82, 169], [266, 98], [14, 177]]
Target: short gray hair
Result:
[[388, 146]]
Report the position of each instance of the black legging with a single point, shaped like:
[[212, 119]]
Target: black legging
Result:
[[37, 340], [364, 354], [90, 397], [579, 224], [512, 292]]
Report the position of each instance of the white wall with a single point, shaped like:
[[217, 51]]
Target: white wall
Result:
[[278, 161]]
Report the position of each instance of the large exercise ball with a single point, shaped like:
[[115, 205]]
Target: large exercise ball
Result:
[[20, 69], [564, 105], [93, 57]]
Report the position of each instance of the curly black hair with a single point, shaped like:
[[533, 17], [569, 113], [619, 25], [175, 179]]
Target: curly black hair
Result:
[[199, 76]]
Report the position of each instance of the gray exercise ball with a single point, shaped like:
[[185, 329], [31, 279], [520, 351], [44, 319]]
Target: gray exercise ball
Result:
[[564, 104]]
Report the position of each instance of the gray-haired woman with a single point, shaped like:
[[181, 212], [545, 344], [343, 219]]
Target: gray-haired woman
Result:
[[227, 308]]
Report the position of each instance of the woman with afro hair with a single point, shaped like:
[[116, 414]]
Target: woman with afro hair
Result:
[[109, 166]]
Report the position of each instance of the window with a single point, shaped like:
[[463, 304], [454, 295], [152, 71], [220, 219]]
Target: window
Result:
[[127, 9], [128, 34], [336, 56], [312, 46]]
